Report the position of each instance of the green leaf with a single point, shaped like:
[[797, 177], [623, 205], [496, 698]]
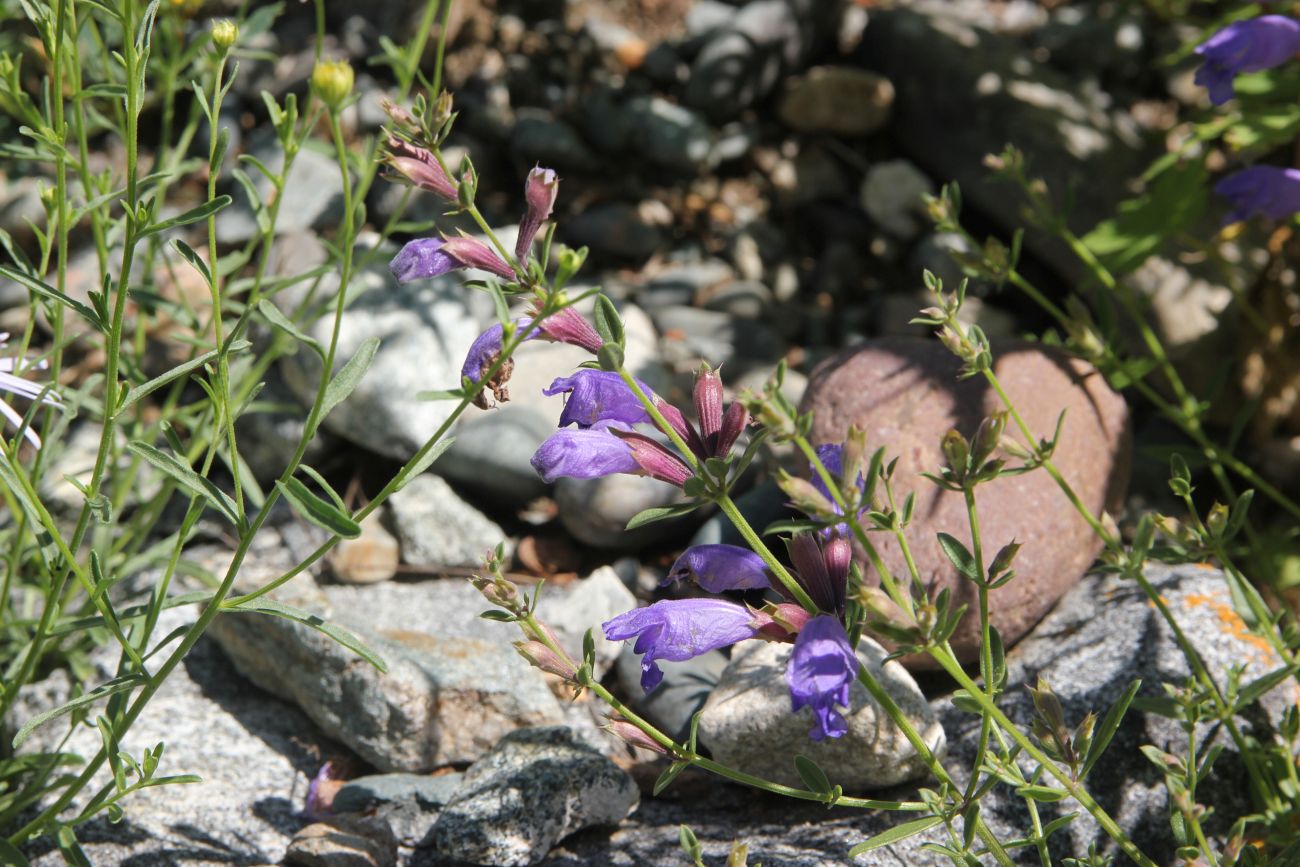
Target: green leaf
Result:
[[176, 373], [661, 513], [194, 259], [609, 325], [1042, 794], [958, 555], [812, 775], [1260, 686], [1101, 739], [1175, 201], [349, 376], [193, 215], [670, 773], [70, 849], [262, 605], [424, 463], [9, 854], [104, 690], [183, 475], [895, 834], [273, 315], [49, 292], [316, 511]]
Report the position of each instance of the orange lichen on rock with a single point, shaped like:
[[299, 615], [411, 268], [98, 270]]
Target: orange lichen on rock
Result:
[[1232, 623]]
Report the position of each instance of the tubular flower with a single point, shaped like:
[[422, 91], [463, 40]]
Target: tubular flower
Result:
[[1245, 46], [540, 191], [720, 567], [678, 630], [717, 434], [420, 167], [11, 382], [425, 258], [584, 453], [821, 670], [483, 353], [596, 396], [1268, 190]]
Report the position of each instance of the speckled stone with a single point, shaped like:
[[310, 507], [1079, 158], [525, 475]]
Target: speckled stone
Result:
[[535, 788], [747, 723], [905, 394], [343, 842]]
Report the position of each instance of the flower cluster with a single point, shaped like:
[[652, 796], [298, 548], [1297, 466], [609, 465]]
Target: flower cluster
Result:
[[1252, 45], [603, 410]]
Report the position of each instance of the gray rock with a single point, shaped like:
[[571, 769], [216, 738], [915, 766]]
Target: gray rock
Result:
[[691, 334], [935, 252], [596, 511], [892, 196], [437, 528], [535, 788], [615, 229], [747, 723], [491, 453], [905, 395], [682, 692], [670, 135], [744, 299], [553, 143], [20, 206], [369, 558], [585, 604], [444, 699], [378, 790], [425, 329], [761, 505], [745, 58], [708, 16], [344, 841], [313, 194], [839, 100], [811, 175], [680, 285]]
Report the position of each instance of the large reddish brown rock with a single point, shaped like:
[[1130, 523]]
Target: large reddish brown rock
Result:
[[906, 395]]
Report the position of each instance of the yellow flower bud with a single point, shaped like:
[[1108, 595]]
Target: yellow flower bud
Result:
[[332, 80], [225, 33]]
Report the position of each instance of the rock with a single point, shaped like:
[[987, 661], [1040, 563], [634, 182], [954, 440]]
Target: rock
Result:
[[552, 143], [670, 135], [980, 91], [450, 691], [583, 605], [683, 691], [344, 842], [691, 334], [492, 452], [743, 60], [596, 511], [906, 396], [275, 422], [20, 207], [892, 196], [378, 790], [615, 229], [680, 285], [371, 557], [313, 194], [747, 723], [744, 299], [535, 788], [437, 528], [837, 100], [811, 175], [708, 16], [425, 328], [254, 752]]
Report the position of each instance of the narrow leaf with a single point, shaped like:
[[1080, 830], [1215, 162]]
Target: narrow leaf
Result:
[[660, 513], [112, 687], [317, 511], [183, 475], [425, 462], [895, 834], [176, 373], [262, 605], [349, 376], [193, 215], [194, 259], [47, 291], [812, 775], [277, 318], [958, 555], [1108, 727], [666, 778]]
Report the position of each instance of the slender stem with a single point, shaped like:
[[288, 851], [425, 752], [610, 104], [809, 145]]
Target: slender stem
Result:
[[986, 638]]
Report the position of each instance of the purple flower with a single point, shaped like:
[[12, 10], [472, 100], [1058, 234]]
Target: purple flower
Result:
[[822, 568], [720, 567], [1245, 46], [820, 672], [1268, 190], [540, 190], [597, 395], [15, 384], [483, 353], [420, 167], [678, 630], [583, 453], [425, 258], [568, 326]]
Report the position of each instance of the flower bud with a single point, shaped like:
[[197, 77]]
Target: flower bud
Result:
[[473, 253], [540, 190], [633, 736], [541, 656], [1217, 520], [420, 167], [332, 80], [225, 33]]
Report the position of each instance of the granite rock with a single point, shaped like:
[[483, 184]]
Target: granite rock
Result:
[[369, 558], [343, 842], [905, 394], [534, 788], [438, 528]]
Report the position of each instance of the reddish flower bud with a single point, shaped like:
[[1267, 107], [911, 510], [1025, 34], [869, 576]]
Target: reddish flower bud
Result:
[[655, 461], [473, 253], [541, 656], [419, 166], [630, 734], [708, 405], [540, 190]]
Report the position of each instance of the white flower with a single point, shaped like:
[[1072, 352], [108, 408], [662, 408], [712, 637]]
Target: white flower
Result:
[[12, 382]]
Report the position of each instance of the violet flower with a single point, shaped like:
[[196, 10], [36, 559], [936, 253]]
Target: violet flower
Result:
[[822, 568], [595, 396], [11, 382], [678, 630], [1245, 46], [821, 670], [425, 258], [583, 453], [720, 567], [421, 168], [1268, 190], [483, 353], [540, 191]]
